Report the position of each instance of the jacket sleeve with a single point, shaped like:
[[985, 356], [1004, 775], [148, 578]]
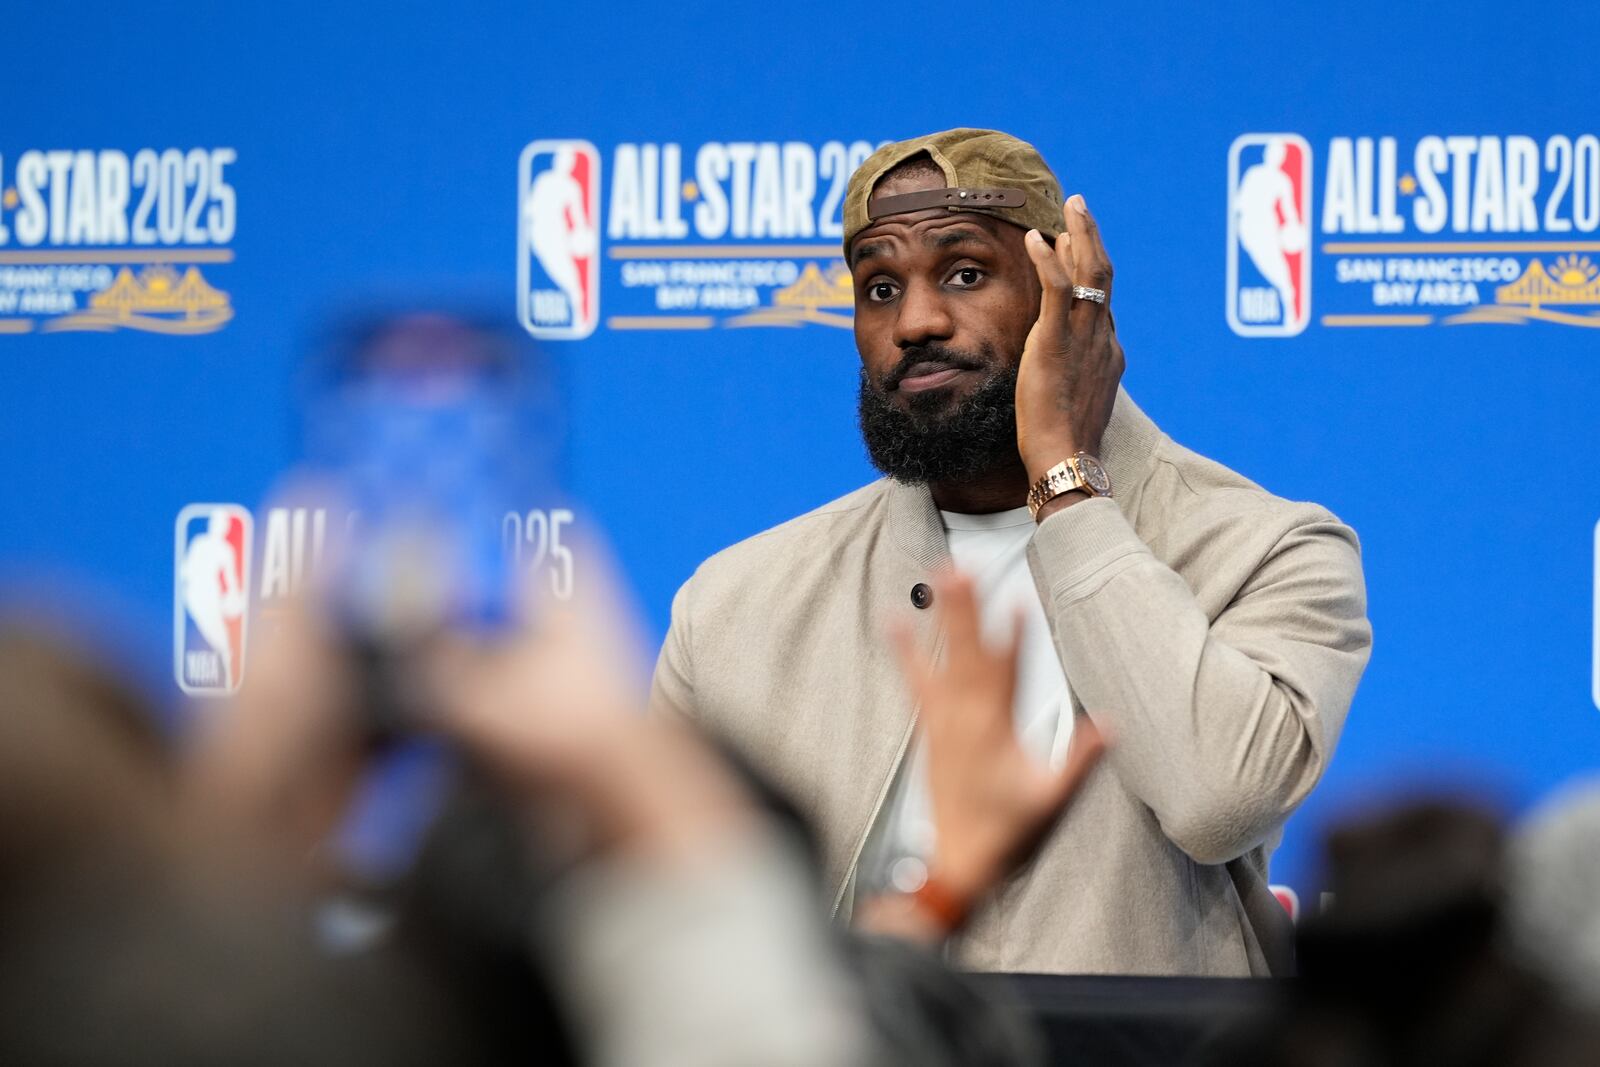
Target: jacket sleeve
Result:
[[672, 688], [1220, 725]]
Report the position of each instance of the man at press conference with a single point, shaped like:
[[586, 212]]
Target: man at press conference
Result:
[[1212, 632]]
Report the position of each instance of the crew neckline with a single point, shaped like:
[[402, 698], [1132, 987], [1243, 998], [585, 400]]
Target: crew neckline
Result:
[[994, 520]]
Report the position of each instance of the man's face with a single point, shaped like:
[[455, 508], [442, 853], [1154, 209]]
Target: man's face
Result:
[[943, 305]]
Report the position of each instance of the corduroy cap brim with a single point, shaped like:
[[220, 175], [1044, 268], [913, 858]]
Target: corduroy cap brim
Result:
[[970, 159]]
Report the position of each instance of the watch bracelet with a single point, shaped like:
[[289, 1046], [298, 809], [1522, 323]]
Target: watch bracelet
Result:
[[1062, 478]]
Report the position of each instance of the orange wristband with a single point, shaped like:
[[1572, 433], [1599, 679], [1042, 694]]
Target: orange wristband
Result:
[[940, 904]]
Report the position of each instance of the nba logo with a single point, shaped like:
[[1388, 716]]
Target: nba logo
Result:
[[212, 565], [558, 239], [1269, 211], [1288, 899]]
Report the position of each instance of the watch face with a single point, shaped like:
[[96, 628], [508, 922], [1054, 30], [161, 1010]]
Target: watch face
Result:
[[1094, 475]]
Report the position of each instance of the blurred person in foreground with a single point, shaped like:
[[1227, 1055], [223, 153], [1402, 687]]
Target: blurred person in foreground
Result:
[[599, 888], [1416, 962], [1553, 871], [124, 935], [1214, 632]]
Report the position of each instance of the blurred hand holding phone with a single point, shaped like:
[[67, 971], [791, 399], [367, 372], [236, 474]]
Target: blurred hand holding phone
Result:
[[423, 425]]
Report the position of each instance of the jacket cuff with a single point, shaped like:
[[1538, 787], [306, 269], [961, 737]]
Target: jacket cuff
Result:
[[1078, 542]]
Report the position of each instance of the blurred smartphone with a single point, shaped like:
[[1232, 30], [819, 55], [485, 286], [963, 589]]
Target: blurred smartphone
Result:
[[418, 431], [415, 427]]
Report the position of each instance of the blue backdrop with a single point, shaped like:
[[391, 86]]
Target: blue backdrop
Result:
[[182, 190]]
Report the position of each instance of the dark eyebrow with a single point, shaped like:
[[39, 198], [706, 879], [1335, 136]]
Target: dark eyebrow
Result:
[[943, 239], [939, 239], [865, 252]]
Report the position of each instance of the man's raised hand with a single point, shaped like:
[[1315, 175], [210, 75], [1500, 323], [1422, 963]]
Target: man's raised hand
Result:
[[1072, 361]]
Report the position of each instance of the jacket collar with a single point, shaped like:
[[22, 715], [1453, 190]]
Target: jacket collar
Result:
[[1125, 450]]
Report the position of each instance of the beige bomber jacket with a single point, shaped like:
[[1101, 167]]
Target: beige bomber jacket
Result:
[[1214, 632]]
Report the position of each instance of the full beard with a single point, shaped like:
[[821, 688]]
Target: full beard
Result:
[[934, 441]]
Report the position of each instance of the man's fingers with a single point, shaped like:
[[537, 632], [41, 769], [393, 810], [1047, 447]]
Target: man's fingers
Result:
[[1055, 279], [1078, 258], [1063, 246], [1090, 265]]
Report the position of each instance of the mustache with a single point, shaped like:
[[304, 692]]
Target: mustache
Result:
[[932, 353]]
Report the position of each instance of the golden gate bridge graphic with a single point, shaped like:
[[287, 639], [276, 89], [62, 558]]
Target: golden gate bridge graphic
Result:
[[1572, 281], [157, 300], [814, 297]]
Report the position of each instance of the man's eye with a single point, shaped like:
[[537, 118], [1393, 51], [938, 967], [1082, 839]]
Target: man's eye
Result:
[[880, 291], [967, 276]]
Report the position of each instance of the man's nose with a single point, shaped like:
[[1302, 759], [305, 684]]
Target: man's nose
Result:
[[923, 317]]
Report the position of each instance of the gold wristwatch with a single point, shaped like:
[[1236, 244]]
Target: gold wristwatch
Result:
[[1079, 471]]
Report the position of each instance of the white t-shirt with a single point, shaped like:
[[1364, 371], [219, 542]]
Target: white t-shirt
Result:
[[992, 550]]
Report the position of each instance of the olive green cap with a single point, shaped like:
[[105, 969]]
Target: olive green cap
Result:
[[998, 174]]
